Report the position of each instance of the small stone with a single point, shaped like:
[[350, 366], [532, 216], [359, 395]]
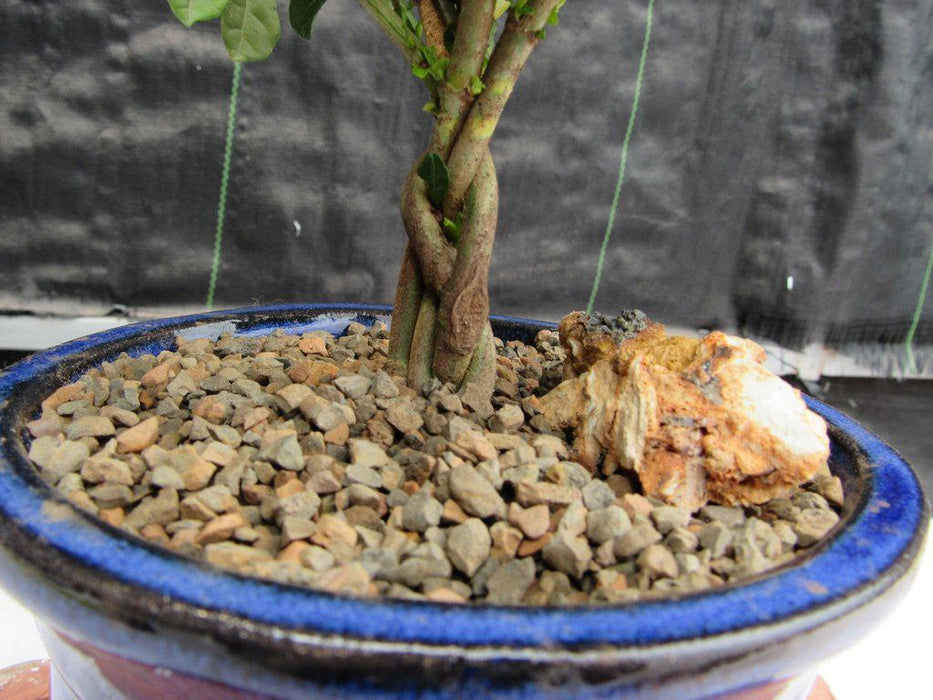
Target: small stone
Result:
[[139, 437], [220, 528], [682, 540], [295, 527], [304, 504], [313, 345], [327, 415], [281, 447], [359, 474], [402, 415], [421, 512], [568, 553], [113, 471], [606, 524], [666, 518], [111, 495], [543, 494], [90, 426], [57, 459], [234, 556], [317, 558], [785, 534], [367, 453], [292, 395], [508, 418], [384, 387], [218, 453], [473, 493], [323, 482], [62, 395], [658, 561], [635, 540], [635, 504], [812, 524], [717, 538], [509, 582], [528, 548], [730, 516], [161, 509], [476, 444], [49, 424], [468, 545], [830, 488], [573, 521], [533, 521], [453, 513], [597, 495], [506, 541], [353, 386], [181, 385], [218, 498], [195, 472], [332, 531]]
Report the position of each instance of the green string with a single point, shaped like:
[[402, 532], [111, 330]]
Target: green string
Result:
[[224, 182], [623, 160], [915, 323]]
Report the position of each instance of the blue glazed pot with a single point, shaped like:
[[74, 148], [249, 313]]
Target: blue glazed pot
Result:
[[123, 618]]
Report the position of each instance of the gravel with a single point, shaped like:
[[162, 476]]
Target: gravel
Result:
[[302, 460]]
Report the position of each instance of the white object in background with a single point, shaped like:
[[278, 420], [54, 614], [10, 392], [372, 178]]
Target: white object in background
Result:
[[40, 332]]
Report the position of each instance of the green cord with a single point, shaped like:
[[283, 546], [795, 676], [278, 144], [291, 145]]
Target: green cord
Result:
[[623, 160], [915, 323], [224, 182]]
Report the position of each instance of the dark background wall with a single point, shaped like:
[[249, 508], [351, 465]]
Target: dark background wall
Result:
[[775, 139]]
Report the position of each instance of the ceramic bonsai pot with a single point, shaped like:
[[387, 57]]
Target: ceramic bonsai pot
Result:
[[122, 618]]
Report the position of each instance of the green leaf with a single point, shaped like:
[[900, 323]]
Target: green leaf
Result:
[[501, 7], [191, 11], [301, 14], [434, 173], [250, 29], [476, 85]]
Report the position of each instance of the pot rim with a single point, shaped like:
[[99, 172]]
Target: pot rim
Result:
[[873, 547]]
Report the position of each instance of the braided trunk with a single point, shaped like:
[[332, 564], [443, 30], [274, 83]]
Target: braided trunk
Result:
[[440, 324]]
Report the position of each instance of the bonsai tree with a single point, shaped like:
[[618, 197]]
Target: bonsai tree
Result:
[[468, 54]]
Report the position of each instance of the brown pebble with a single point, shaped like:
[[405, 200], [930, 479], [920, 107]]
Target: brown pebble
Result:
[[338, 435], [453, 513], [154, 532], [69, 392], [289, 488], [292, 552], [444, 595], [253, 494], [112, 516], [530, 547], [139, 437], [534, 522], [332, 530], [220, 528], [313, 345], [183, 538], [635, 504]]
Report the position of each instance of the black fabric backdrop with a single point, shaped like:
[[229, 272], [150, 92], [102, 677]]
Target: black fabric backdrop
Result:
[[775, 139]]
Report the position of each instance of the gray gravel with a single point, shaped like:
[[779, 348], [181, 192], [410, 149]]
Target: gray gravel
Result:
[[300, 459]]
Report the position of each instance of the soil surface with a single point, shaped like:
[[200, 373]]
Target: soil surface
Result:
[[300, 459]]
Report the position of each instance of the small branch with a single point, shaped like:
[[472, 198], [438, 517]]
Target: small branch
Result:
[[466, 63], [435, 254], [465, 298], [508, 59], [405, 313], [422, 346], [393, 26]]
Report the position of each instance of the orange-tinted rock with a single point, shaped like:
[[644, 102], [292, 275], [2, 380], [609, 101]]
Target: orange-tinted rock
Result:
[[697, 420]]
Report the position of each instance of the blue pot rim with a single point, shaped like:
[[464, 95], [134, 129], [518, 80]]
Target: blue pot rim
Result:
[[875, 547]]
